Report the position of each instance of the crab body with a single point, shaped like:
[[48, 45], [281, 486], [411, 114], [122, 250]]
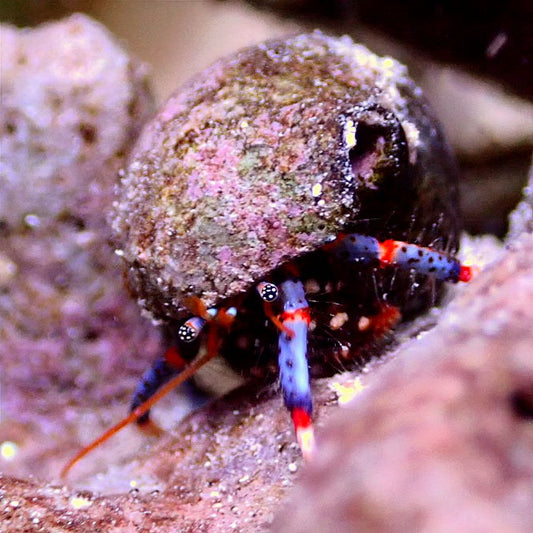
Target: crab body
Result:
[[255, 167], [255, 171], [286, 169]]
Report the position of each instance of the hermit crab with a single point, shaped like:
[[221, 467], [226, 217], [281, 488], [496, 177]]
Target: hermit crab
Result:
[[284, 210]]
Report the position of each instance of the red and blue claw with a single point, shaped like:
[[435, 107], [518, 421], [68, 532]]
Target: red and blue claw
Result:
[[442, 266], [293, 322], [293, 366]]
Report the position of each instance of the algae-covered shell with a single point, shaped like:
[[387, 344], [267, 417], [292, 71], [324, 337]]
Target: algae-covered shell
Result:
[[267, 155]]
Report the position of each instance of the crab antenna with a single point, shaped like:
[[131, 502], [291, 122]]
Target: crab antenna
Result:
[[293, 367], [225, 317], [443, 266]]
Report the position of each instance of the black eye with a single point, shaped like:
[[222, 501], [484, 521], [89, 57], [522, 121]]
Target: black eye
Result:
[[268, 291], [186, 333], [190, 329]]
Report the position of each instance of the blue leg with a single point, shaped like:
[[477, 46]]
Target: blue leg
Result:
[[365, 249], [161, 372], [293, 365]]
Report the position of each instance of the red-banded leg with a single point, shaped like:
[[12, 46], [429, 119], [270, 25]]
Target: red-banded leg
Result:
[[365, 249], [293, 324]]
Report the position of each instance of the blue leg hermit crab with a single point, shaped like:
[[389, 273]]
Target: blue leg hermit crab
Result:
[[283, 210]]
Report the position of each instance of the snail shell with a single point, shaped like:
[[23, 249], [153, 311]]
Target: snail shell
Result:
[[267, 155]]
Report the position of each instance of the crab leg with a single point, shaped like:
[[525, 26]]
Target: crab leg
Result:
[[293, 367], [161, 371], [166, 367], [159, 380], [444, 267]]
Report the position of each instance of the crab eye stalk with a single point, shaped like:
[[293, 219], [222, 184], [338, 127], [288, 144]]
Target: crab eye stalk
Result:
[[267, 291], [190, 329]]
